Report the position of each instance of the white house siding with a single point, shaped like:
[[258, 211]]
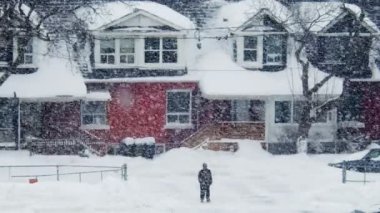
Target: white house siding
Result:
[[279, 132]]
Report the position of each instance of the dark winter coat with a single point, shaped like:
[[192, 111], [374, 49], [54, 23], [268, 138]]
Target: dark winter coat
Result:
[[205, 177]]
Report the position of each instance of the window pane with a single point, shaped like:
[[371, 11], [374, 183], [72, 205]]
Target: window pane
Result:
[[297, 110], [103, 59], [111, 59], [107, 46], [131, 59], [178, 102], [99, 119], [250, 42], [152, 44], [282, 111], [152, 57], [169, 56], [94, 107], [250, 55], [27, 45], [28, 59], [87, 119], [184, 119], [169, 43], [127, 45], [257, 110], [273, 48], [172, 118], [127, 59]]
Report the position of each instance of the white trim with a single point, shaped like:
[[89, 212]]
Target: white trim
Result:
[[139, 54], [263, 11], [179, 126], [140, 12], [340, 17], [95, 127]]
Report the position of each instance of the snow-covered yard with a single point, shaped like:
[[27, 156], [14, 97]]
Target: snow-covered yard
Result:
[[250, 180]]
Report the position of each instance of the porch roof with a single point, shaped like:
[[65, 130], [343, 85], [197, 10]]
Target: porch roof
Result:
[[55, 80], [222, 78]]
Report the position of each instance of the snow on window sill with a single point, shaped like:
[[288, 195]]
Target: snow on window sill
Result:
[[95, 127], [113, 66], [33, 66], [178, 126]]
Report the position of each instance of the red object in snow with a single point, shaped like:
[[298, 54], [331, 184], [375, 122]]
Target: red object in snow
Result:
[[33, 180]]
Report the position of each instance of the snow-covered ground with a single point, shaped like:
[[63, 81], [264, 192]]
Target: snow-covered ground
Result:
[[250, 180]]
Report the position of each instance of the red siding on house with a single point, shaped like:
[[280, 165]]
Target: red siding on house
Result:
[[372, 108], [136, 110], [367, 104], [139, 110]]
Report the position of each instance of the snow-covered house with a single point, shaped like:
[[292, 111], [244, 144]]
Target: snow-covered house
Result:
[[150, 72], [41, 77]]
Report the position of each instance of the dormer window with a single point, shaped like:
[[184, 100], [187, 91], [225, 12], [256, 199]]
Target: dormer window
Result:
[[27, 56], [107, 51], [250, 48], [161, 50], [273, 49]]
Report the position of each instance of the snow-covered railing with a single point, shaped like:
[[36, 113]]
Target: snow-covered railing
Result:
[[59, 171]]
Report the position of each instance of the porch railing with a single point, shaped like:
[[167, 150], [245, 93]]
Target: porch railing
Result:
[[232, 130]]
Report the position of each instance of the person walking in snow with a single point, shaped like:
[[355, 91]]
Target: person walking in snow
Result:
[[205, 181]]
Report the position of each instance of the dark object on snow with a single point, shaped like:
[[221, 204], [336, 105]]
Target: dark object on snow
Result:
[[205, 181], [135, 150], [369, 163]]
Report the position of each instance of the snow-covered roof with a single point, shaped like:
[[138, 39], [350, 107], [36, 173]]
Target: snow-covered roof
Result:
[[56, 77], [106, 13], [235, 14], [222, 78], [98, 96], [317, 14], [320, 15]]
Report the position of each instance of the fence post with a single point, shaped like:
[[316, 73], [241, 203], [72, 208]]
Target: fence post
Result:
[[57, 172], [344, 172], [124, 171]]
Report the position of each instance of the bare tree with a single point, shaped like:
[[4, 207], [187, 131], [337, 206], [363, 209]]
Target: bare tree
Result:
[[306, 41], [23, 20]]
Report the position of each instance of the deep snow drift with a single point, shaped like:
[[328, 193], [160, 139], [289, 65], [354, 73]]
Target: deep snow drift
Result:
[[250, 180]]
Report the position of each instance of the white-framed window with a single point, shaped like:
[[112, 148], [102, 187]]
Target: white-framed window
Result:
[[107, 51], [120, 51], [94, 113], [127, 51], [27, 56], [178, 107], [273, 49], [290, 112], [160, 50], [250, 48]]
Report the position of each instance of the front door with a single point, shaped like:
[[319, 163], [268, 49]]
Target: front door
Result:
[[248, 110]]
